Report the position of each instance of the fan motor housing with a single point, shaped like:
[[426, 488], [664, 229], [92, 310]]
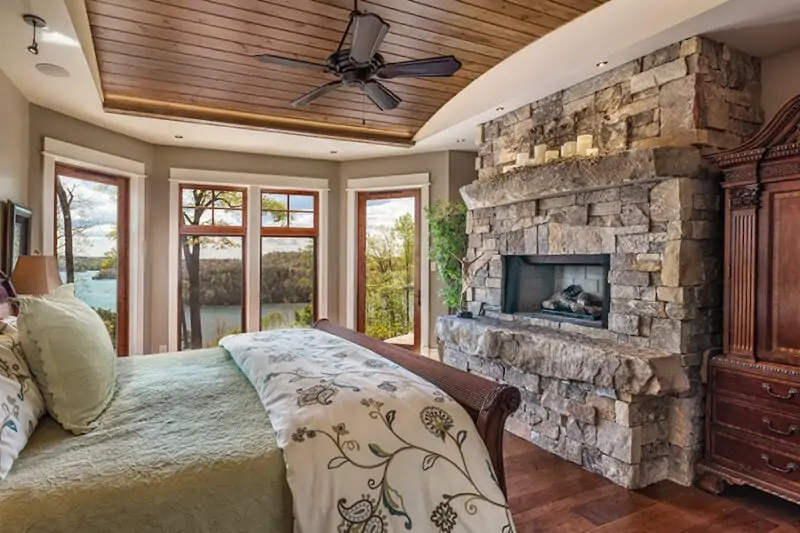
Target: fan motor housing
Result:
[[340, 64]]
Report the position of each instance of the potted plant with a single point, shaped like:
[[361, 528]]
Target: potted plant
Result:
[[448, 247]]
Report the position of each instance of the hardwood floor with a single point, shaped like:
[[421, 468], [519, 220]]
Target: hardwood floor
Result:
[[550, 495]]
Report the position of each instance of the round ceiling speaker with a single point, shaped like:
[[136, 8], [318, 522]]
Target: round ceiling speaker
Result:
[[50, 69]]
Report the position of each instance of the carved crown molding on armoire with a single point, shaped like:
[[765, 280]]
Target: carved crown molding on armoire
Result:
[[753, 403]]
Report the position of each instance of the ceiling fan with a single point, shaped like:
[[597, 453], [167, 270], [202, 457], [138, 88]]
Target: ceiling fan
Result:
[[361, 64]]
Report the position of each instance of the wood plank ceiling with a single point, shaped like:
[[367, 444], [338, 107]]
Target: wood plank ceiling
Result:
[[192, 59]]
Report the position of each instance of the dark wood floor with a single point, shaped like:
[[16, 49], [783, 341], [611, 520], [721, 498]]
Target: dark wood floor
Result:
[[550, 495]]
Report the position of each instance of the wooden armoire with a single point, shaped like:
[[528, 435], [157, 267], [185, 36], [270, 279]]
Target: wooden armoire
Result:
[[753, 403]]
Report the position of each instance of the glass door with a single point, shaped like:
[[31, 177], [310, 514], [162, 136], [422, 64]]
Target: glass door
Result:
[[388, 293], [92, 244]]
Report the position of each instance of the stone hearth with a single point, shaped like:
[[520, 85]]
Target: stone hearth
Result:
[[625, 401], [615, 409]]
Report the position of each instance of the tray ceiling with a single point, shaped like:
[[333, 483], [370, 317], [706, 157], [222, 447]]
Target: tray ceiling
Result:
[[192, 59]]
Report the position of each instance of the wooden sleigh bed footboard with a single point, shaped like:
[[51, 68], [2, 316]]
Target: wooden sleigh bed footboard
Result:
[[487, 402]]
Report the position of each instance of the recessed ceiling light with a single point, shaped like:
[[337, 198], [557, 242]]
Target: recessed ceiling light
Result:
[[461, 140], [50, 69], [500, 108], [179, 136], [602, 64], [334, 152]]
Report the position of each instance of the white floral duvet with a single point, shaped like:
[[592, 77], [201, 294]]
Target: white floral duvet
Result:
[[369, 447]]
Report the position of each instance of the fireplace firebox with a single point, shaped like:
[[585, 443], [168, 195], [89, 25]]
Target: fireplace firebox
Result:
[[563, 288]]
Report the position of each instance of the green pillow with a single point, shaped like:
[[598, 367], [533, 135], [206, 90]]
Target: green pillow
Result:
[[71, 356]]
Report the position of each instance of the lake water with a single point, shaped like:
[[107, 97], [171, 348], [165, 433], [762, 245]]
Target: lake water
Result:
[[102, 293]]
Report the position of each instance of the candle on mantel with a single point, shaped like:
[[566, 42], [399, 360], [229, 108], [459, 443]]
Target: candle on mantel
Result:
[[593, 152], [539, 152], [569, 149], [551, 155], [584, 143], [522, 159]]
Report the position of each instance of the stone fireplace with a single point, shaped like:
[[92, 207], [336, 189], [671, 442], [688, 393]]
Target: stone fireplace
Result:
[[564, 288], [617, 389]]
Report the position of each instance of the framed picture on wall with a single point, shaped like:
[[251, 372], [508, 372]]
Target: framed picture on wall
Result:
[[18, 234]]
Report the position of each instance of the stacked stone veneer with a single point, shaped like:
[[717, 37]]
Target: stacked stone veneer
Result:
[[627, 401], [696, 92]]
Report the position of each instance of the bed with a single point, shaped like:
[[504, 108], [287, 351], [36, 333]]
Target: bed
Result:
[[186, 446]]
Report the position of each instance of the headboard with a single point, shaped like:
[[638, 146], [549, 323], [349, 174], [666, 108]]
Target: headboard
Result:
[[6, 291]]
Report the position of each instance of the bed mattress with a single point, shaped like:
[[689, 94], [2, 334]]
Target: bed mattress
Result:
[[184, 446]]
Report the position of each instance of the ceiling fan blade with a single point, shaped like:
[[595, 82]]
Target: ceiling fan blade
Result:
[[316, 93], [434, 67], [368, 33], [382, 97], [290, 62]]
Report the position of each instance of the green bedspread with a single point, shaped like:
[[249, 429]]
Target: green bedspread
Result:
[[185, 446]]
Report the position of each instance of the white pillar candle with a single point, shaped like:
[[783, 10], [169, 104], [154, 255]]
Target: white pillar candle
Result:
[[551, 155], [593, 152], [569, 149], [539, 152], [522, 159], [584, 143]]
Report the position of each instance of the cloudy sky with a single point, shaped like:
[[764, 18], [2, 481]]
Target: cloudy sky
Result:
[[386, 212], [94, 208]]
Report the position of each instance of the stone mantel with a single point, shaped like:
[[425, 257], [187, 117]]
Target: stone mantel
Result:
[[567, 356], [572, 176]]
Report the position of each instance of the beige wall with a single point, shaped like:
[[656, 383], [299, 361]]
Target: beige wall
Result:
[[780, 80], [14, 110], [158, 218], [49, 123], [448, 171]]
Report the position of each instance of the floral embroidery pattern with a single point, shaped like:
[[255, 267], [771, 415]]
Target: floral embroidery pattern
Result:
[[399, 454], [365, 513], [444, 517], [9, 408], [436, 421]]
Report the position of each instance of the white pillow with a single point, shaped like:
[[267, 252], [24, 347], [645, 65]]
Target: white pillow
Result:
[[71, 356], [21, 403]]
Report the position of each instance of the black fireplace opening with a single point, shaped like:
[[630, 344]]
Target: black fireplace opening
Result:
[[564, 288]]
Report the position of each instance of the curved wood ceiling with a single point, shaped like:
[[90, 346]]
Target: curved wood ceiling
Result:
[[192, 59]]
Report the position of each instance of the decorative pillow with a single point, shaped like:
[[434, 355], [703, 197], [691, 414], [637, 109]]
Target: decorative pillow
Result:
[[21, 403], [71, 356]]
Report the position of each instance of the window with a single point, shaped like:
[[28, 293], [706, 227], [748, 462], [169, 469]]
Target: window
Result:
[[92, 245], [212, 233], [289, 234]]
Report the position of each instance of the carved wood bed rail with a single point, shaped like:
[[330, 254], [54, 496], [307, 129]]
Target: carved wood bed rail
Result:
[[487, 402]]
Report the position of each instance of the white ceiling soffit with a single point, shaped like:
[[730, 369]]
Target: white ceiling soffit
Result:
[[618, 31]]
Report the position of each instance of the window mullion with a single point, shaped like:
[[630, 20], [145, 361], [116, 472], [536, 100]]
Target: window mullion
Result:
[[252, 296]]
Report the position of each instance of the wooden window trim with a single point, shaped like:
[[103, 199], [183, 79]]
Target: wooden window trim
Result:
[[212, 229], [288, 231], [362, 197], [123, 242], [281, 231], [185, 230]]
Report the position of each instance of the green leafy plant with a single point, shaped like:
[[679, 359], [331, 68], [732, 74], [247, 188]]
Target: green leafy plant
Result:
[[448, 245]]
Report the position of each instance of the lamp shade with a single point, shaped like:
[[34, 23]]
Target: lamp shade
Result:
[[36, 274]]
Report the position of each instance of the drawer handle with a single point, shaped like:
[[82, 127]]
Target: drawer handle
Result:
[[791, 467], [792, 429], [792, 392]]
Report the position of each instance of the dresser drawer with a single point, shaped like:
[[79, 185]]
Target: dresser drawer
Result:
[[757, 459], [753, 418], [785, 393]]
